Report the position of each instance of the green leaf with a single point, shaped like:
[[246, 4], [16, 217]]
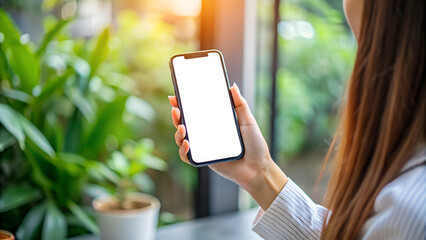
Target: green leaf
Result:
[[55, 226], [108, 120], [25, 65], [72, 158], [140, 108], [5, 70], [100, 52], [94, 190], [73, 133], [22, 61], [6, 140], [144, 182], [55, 129], [16, 95], [50, 35], [7, 27], [36, 136], [40, 178], [83, 217], [10, 120], [121, 81], [79, 100], [145, 145], [81, 66], [31, 222], [53, 85], [136, 167], [154, 162], [100, 172], [119, 163], [71, 163], [16, 196]]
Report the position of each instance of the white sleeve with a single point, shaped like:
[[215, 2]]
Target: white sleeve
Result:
[[292, 215]]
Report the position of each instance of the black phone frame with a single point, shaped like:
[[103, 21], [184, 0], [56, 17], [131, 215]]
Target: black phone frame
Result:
[[198, 54]]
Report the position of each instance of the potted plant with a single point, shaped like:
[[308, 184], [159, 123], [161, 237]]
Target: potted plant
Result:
[[61, 118], [126, 213]]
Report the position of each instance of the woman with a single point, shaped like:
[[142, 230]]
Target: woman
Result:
[[377, 187]]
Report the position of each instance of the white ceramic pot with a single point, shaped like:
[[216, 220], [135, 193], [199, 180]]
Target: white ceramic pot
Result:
[[134, 224]]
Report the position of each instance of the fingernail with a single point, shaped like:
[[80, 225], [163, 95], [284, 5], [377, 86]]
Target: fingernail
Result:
[[238, 89]]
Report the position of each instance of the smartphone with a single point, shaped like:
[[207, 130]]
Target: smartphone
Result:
[[207, 110]]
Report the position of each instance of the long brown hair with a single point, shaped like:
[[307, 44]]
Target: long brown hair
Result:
[[384, 111]]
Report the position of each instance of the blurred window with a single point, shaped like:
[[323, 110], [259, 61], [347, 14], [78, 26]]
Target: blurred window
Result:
[[315, 54]]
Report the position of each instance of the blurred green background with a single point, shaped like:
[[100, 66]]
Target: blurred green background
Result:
[[316, 50], [84, 108]]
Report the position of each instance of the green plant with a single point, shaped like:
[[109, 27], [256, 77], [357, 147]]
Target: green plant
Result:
[[127, 171], [63, 120]]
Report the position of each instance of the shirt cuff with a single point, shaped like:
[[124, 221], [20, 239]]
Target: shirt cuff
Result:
[[292, 215]]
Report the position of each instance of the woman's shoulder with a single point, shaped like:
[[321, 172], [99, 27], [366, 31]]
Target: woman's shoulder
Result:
[[408, 188], [405, 191], [400, 209]]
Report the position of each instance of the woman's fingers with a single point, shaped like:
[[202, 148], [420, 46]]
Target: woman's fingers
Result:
[[173, 101], [180, 135], [182, 143], [241, 107], [176, 116], [180, 132], [183, 151], [175, 111]]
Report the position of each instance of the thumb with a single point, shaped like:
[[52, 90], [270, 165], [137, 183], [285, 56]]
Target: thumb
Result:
[[241, 107]]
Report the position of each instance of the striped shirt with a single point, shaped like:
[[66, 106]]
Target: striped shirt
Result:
[[399, 210]]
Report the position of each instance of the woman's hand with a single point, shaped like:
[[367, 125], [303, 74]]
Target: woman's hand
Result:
[[256, 172]]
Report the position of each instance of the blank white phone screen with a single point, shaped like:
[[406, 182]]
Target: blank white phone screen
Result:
[[207, 109]]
